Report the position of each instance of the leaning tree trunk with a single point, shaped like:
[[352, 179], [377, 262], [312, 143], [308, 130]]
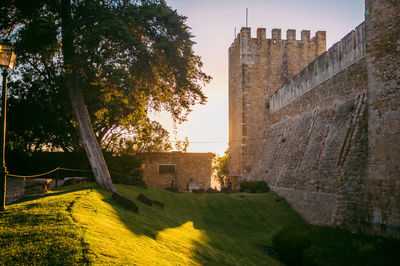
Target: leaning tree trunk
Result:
[[73, 86], [89, 141]]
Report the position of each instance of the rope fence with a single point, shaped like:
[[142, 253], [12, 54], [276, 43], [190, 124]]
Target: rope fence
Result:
[[25, 176], [63, 169]]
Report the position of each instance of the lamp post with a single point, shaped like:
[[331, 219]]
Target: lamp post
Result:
[[7, 58]]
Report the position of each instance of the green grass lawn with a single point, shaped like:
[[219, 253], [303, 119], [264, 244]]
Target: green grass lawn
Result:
[[82, 224]]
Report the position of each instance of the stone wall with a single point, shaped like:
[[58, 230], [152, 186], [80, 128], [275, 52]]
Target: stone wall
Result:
[[188, 167], [235, 110], [330, 140], [383, 61], [340, 56], [257, 68], [315, 150], [15, 189]]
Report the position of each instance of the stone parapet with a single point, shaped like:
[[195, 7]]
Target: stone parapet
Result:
[[340, 56]]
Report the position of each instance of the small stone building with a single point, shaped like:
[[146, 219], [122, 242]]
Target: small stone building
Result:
[[179, 170]]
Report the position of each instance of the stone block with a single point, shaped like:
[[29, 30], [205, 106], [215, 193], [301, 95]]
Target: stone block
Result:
[[125, 202], [36, 187], [144, 199], [158, 204], [193, 185]]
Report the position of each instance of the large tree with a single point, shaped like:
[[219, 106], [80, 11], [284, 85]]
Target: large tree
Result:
[[40, 119], [122, 57]]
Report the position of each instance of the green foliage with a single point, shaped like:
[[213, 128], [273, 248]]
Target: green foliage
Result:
[[254, 187], [129, 57], [322, 245], [220, 167], [124, 168], [43, 29], [147, 137], [182, 145], [40, 162], [81, 224], [39, 118]]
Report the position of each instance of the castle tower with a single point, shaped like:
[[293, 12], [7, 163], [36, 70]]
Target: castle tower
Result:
[[257, 68]]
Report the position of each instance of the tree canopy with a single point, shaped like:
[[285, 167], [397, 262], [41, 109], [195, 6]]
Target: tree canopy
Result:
[[182, 145], [115, 59], [130, 56]]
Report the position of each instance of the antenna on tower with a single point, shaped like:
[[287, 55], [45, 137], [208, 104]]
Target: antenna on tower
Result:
[[247, 16], [235, 33]]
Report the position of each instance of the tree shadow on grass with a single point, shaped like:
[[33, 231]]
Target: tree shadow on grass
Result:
[[200, 228], [229, 229]]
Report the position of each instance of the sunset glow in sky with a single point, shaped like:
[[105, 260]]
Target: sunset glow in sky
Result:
[[213, 24]]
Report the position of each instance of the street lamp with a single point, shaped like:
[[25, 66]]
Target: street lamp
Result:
[[7, 58]]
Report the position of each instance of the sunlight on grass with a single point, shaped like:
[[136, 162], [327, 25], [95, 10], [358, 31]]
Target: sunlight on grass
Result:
[[111, 239], [184, 240], [40, 231], [81, 224]]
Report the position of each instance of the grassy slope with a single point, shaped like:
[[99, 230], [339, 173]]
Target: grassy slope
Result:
[[41, 232], [82, 224]]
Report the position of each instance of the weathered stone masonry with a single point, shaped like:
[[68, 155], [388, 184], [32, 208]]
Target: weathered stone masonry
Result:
[[258, 67], [329, 138], [185, 168]]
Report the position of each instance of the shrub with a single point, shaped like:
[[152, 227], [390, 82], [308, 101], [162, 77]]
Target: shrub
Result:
[[254, 187], [41, 162], [124, 164], [124, 169], [224, 190], [323, 245], [220, 167], [211, 190]]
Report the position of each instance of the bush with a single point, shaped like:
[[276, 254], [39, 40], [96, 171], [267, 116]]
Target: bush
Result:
[[254, 187], [323, 245], [124, 169], [124, 164], [41, 162], [225, 190], [211, 190]]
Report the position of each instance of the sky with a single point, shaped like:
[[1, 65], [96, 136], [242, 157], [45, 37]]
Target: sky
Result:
[[213, 23]]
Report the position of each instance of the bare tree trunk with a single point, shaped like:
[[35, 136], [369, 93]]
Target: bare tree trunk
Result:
[[89, 141], [73, 85]]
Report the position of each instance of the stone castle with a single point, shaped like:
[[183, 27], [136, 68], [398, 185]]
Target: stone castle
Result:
[[322, 128]]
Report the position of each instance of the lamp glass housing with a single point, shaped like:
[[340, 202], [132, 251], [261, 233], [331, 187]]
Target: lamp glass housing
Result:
[[7, 55]]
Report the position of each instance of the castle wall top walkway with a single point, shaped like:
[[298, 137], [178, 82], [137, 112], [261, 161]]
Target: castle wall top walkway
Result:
[[340, 56]]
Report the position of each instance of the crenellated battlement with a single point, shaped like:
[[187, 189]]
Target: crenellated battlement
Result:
[[276, 34], [258, 66], [341, 55]]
